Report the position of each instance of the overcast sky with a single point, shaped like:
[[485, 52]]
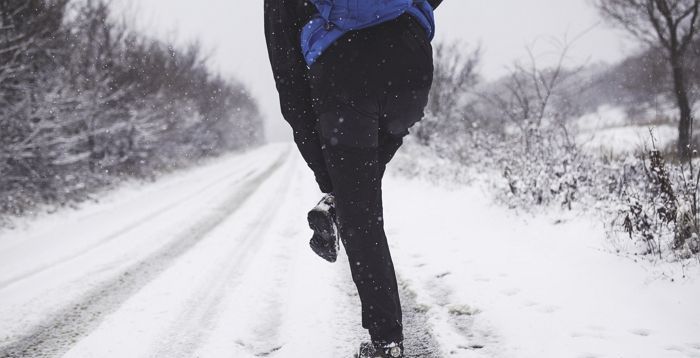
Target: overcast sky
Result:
[[232, 31]]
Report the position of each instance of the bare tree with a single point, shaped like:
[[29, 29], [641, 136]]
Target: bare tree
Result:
[[454, 75], [671, 24], [527, 96]]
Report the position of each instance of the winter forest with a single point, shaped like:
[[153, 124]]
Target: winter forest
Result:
[[86, 102], [552, 211]]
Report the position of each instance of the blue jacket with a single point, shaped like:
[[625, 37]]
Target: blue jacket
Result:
[[337, 17]]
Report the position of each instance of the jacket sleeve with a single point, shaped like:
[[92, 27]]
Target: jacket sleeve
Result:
[[435, 3], [282, 31], [283, 22]]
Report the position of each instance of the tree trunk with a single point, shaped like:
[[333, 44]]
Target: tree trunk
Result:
[[686, 121]]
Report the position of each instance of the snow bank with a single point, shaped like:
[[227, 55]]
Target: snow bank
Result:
[[548, 286]]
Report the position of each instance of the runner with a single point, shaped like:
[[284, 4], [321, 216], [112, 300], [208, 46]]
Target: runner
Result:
[[353, 77]]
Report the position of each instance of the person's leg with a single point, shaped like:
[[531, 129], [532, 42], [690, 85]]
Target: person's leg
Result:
[[361, 129], [388, 146], [308, 141], [352, 155]]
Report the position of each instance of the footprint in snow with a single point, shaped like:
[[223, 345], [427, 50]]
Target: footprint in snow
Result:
[[472, 347], [548, 309], [268, 352], [641, 332], [441, 275], [462, 310], [464, 319], [692, 350], [440, 293], [529, 303], [674, 349]]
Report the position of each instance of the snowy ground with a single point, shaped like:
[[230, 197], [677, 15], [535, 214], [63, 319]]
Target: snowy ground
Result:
[[214, 262], [607, 131]]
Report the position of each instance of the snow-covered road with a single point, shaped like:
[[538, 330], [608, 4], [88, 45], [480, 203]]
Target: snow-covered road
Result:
[[214, 262]]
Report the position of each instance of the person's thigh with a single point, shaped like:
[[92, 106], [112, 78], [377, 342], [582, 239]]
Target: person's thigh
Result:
[[350, 148], [350, 122], [401, 110]]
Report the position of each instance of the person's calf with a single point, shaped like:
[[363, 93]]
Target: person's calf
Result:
[[388, 146]]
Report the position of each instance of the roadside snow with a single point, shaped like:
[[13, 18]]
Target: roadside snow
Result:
[[532, 287], [628, 139], [607, 131]]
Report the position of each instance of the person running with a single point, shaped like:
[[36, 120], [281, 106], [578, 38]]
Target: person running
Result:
[[353, 76]]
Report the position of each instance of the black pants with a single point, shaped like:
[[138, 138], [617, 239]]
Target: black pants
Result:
[[368, 89]]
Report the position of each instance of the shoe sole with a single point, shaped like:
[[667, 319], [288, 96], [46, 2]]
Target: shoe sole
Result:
[[323, 226], [323, 252]]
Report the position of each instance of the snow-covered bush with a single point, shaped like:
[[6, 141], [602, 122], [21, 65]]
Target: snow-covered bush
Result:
[[660, 211], [543, 172], [533, 145], [522, 129]]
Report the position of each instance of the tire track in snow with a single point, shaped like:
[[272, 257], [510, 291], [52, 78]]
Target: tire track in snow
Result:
[[300, 310], [419, 341], [199, 317], [56, 336], [125, 229], [265, 339], [348, 322]]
